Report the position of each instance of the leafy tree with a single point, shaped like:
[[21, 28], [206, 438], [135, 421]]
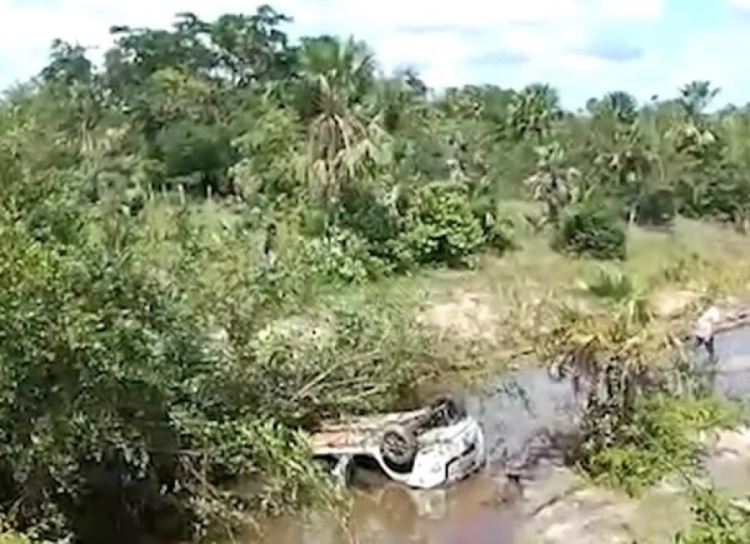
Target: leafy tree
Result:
[[145, 367]]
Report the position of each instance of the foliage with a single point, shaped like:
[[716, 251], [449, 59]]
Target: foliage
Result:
[[12, 537], [163, 358], [641, 419], [716, 520], [659, 437], [591, 230], [232, 107], [440, 226], [133, 414]]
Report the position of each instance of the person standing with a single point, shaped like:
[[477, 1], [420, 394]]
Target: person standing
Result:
[[269, 245], [705, 330]]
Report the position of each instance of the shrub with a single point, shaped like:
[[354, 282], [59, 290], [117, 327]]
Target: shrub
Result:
[[440, 226], [657, 208], [341, 256], [118, 409], [188, 149], [716, 520], [659, 438], [591, 230]]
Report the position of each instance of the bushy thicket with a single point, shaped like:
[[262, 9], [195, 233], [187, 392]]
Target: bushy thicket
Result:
[[643, 417], [154, 355], [591, 230], [147, 372]]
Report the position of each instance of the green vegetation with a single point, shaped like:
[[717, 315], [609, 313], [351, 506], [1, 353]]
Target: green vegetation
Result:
[[660, 439], [643, 421], [717, 520], [181, 227]]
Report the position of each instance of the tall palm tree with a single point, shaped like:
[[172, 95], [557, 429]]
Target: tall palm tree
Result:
[[620, 151], [533, 110], [553, 183], [336, 77]]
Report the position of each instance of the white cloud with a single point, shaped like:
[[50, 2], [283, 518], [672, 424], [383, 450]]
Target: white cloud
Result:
[[439, 38], [471, 28], [713, 56], [640, 10]]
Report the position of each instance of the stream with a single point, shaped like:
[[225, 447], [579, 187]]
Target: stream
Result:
[[515, 412]]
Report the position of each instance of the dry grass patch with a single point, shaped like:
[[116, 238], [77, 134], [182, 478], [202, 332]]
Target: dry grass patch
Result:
[[505, 301]]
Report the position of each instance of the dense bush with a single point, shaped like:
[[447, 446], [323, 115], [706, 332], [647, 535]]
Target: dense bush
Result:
[[432, 224], [440, 226], [658, 439], [591, 230], [130, 405], [154, 357], [642, 413]]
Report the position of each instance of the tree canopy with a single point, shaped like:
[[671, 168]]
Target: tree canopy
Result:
[[140, 380]]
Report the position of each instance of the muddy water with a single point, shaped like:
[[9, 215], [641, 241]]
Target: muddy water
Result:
[[519, 413]]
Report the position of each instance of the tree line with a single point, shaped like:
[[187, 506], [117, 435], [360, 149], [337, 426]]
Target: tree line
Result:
[[117, 408]]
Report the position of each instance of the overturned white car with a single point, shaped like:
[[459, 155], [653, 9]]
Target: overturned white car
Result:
[[426, 448]]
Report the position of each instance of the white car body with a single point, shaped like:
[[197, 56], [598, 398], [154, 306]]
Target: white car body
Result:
[[445, 454]]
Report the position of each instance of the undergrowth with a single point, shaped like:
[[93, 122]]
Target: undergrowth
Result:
[[716, 520], [643, 416], [661, 438]]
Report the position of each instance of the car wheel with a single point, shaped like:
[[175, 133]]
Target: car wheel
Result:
[[454, 408], [398, 445], [343, 472]]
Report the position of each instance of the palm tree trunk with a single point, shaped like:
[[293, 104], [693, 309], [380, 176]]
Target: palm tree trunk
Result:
[[632, 214]]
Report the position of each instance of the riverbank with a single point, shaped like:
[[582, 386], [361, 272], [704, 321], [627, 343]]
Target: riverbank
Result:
[[560, 503], [271, 352], [488, 318], [483, 316], [564, 508]]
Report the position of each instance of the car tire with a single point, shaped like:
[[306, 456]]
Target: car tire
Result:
[[456, 405], [398, 445], [343, 472], [557, 371]]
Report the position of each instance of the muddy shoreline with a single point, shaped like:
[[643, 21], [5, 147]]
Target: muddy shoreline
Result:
[[520, 412]]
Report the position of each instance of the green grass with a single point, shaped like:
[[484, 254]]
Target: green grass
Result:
[[662, 440], [486, 312]]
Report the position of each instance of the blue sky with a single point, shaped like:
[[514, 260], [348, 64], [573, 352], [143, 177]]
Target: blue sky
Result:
[[583, 47]]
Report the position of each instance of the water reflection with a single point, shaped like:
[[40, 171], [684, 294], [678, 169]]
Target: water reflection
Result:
[[518, 413], [469, 513]]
